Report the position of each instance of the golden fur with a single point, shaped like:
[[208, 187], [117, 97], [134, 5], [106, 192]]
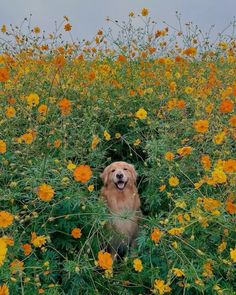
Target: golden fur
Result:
[[123, 202]]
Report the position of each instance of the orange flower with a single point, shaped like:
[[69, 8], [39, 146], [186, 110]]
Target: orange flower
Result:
[[6, 219], [82, 173], [27, 249], [33, 99], [230, 206], [210, 204], [16, 266], [4, 75], [230, 166], [206, 162], [42, 109], [57, 143], [45, 192], [67, 27], [65, 106], [122, 58], [226, 106], [4, 290], [232, 121], [3, 146], [105, 260], [186, 150], [76, 233], [169, 156], [190, 51], [95, 142], [201, 126], [59, 61], [156, 235]]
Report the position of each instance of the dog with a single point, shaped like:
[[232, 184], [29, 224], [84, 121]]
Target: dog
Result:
[[122, 200]]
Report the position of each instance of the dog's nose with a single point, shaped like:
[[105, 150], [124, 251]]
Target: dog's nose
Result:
[[119, 175]]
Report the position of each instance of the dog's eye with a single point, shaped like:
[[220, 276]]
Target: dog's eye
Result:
[[113, 170], [125, 169]]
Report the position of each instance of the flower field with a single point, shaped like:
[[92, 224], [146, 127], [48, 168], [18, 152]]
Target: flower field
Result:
[[159, 98]]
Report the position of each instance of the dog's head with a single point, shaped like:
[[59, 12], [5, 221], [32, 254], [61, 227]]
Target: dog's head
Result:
[[119, 175]]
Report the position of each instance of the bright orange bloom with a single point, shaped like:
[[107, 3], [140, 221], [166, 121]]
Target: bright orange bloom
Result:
[[76, 233], [230, 206], [226, 106], [190, 51], [65, 106], [122, 58], [57, 143], [206, 162], [105, 260], [4, 75], [230, 166], [211, 204], [6, 219], [82, 173], [3, 146], [27, 249], [201, 126], [169, 156], [42, 109], [4, 290], [156, 235], [59, 61], [45, 192], [232, 121]]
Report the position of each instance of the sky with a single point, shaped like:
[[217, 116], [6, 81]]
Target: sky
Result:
[[87, 16]]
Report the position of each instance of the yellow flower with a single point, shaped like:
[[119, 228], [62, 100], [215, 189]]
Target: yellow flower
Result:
[[36, 30], [117, 135], [207, 270], [3, 146], [33, 99], [3, 29], [219, 137], [173, 181], [95, 142], [137, 142], [3, 251], [233, 254], [138, 265], [6, 219], [71, 166], [176, 231], [38, 241], [144, 12], [106, 135], [160, 287], [162, 188], [178, 272], [141, 114], [218, 176], [188, 90], [90, 187], [222, 247], [186, 150]]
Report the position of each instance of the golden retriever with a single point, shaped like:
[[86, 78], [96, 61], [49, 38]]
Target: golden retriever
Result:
[[121, 197]]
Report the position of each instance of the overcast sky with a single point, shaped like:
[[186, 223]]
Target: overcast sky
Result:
[[87, 16]]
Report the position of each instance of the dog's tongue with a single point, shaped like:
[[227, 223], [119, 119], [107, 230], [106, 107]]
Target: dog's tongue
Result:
[[121, 185]]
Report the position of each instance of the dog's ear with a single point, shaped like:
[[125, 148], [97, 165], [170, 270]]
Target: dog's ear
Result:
[[104, 175], [133, 173]]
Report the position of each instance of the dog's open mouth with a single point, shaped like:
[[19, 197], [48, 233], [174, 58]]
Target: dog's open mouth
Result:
[[120, 184]]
